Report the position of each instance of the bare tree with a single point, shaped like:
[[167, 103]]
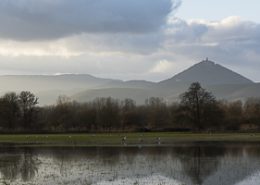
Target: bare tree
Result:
[[252, 111], [196, 102], [27, 101], [9, 109]]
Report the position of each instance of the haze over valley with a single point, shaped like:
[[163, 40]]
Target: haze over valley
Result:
[[222, 82]]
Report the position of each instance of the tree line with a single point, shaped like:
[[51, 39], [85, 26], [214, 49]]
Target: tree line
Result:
[[197, 110]]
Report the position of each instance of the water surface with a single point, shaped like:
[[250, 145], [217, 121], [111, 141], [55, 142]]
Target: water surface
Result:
[[183, 164]]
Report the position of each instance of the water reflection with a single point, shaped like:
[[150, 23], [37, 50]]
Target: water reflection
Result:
[[17, 163], [200, 164]]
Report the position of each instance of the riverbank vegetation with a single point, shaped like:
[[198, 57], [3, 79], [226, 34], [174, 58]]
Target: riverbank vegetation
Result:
[[197, 110]]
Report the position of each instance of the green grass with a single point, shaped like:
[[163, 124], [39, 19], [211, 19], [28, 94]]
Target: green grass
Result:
[[115, 139]]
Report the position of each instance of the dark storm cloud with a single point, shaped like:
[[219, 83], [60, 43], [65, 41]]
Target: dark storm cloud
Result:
[[51, 19]]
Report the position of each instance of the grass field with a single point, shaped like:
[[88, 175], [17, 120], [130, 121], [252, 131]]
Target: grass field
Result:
[[116, 139]]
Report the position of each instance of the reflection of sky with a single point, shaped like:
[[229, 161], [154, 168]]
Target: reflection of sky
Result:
[[233, 169], [252, 180]]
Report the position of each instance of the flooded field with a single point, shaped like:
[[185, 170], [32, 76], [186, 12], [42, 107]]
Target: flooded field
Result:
[[183, 164]]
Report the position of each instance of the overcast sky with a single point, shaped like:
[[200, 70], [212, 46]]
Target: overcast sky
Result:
[[128, 39]]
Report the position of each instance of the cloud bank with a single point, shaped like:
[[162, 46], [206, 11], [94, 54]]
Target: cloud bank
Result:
[[51, 19]]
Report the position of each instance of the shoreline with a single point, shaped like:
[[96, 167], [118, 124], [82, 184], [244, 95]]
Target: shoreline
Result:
[[151, 139]]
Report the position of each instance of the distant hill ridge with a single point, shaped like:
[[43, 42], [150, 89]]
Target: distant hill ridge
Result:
[[208, 73], [221, 81]]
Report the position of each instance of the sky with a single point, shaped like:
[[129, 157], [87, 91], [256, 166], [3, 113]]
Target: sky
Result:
[[217, 10], [131, 39]]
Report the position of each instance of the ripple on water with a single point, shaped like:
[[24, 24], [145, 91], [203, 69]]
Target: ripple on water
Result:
[[149, 180]]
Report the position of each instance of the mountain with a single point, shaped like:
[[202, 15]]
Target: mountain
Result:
[[49, 87], [222, 82], [207, 73], [51, 82]]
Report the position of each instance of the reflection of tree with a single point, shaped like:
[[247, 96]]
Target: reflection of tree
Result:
[[28, 166], [108, 156], [105, 155], [18, 163], [199, 162], [9, 166]]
